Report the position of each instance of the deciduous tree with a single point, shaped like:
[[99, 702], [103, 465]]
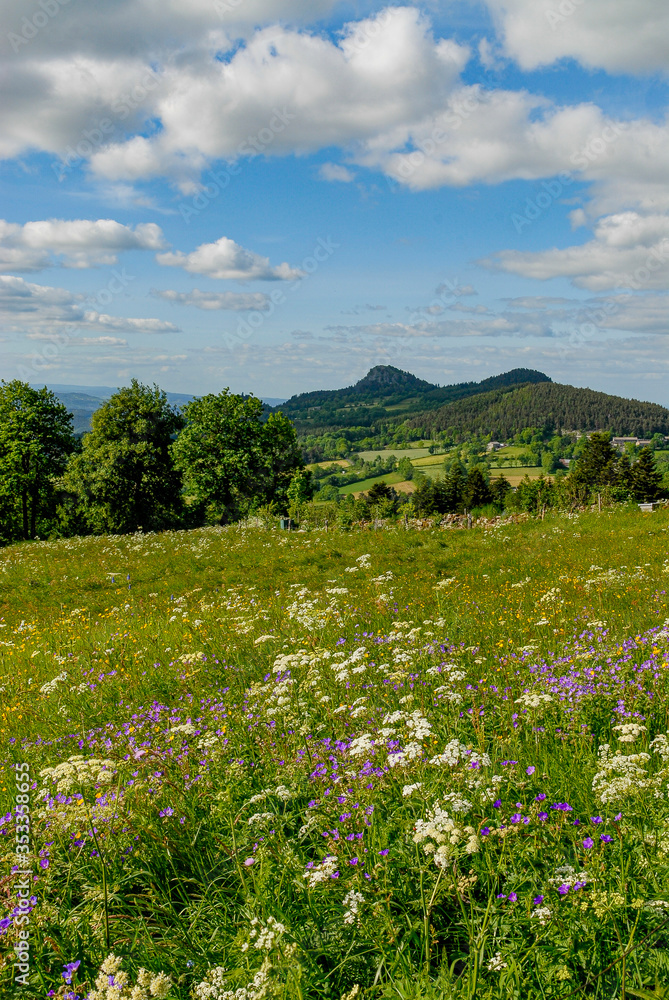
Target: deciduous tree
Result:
[[35, 441], [233, 460], [125, 479]]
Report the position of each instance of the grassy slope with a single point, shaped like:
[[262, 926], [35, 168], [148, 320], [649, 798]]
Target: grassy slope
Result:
[[390, 478], [179, 892]]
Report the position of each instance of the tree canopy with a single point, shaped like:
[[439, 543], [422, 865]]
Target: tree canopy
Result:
[[36, 440], [231, 459], [125, 479]]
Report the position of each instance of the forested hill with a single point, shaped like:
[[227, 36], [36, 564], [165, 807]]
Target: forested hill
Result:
[[388, 393], [507, 411]]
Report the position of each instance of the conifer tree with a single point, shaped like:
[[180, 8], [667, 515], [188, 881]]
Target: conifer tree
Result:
[[645, 480]]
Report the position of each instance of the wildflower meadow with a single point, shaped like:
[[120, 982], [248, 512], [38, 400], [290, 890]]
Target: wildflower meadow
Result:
[[419, 761]]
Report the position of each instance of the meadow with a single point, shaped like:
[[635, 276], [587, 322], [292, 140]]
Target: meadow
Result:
[[334, 764]]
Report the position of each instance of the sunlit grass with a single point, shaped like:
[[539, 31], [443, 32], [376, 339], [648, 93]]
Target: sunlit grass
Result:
[[322, 674]]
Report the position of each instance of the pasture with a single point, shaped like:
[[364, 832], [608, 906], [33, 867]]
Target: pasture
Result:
[[382, 764]]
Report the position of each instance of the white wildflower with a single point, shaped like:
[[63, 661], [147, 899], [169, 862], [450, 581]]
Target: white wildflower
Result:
[[321, 872], [628, 732], [542, 914], [352, 902], [531, 699], [52, 685]]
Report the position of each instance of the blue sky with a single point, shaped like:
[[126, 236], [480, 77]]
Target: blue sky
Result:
[[452, 188]]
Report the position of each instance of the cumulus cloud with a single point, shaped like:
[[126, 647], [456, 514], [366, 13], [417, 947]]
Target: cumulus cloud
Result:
[[77, 243], [336, 172], [387, 91], [227, 260], [287, 91], [104, 29], [236, 301], [25, 306], [615, 35], [629, 250]]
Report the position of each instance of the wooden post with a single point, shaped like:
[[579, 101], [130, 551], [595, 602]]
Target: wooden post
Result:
[[599, 502], [326, 525], [406, 523]]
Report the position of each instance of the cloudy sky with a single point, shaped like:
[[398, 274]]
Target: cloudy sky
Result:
[[276, 195]]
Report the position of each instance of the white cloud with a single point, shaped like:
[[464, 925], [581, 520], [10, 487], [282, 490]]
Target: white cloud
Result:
[[77, 243], [503, 325], [627, 312], [81, 341], [25, 306], [288, 91], [629, 250], [227, 260], [336, 172], [102, 321], [114, 29], [612, 34], [387, 92], [236, 301]]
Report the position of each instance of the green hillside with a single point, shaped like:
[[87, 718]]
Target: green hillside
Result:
[[387, 394], [548, 405]]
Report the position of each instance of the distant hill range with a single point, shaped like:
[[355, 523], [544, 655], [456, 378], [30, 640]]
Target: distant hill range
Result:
[[389, 393], [500, 406], [83, 400]]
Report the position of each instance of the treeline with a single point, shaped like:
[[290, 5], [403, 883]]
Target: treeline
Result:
[[144, 465], [600, 471], [548, 405]]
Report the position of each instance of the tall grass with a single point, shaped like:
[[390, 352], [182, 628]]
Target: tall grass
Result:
[[324, 764]]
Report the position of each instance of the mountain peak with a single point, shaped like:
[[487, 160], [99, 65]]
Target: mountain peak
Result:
[[387, 378]]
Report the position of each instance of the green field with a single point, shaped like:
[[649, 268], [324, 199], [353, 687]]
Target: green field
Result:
[[384, 453], [510, 451], [420, 463], [343, 463], [336, 765], [390, 478]]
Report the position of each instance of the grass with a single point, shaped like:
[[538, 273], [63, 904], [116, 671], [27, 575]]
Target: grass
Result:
[[319, 761], [421, 463], [516, 475], [343, 463], [390, 478], [369, 456]]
